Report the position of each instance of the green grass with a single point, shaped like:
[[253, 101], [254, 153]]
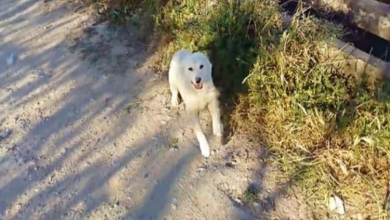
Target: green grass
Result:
[[251, 194], [325, 127]]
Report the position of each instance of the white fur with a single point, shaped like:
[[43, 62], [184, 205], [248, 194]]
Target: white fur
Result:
[[184, 68]]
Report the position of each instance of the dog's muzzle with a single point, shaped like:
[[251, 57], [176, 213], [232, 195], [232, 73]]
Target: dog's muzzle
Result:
[[197, 86], [198, 83]]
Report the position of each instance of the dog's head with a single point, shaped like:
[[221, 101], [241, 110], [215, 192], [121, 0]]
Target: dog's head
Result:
[[197, 68]]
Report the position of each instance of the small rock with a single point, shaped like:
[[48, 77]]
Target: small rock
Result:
[[11, 59], [336, 205], [255, 204], [20, 161], [226, 186], [174, 148], [201, 169], [5, 134], [174, 206], [45, 208], [230, 164], [357, 216], [238, 201]]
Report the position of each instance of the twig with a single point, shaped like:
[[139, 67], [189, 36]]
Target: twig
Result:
[[386, 203], [246, 78]]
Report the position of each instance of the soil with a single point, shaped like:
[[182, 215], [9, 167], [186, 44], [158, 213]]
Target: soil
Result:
[[87, 132]]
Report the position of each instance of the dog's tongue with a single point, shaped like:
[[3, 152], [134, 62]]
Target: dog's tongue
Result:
[[198, 86]]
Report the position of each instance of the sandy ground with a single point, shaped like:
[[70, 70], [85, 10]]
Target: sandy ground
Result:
[[86, 131]]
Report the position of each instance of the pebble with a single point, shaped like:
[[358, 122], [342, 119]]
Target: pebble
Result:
[[5, 134], [230, 164], [336, 205], [238, 201], [20, 160], [174, 203], [46, 208], [226, 185], [357, 216], [174, 148], [11, 60], [201, 169]]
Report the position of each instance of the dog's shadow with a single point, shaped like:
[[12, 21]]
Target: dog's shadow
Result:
[[232, 53], [229, 71]]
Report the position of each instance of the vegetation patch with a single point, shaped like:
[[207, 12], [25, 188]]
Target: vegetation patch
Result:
[[327, 129]]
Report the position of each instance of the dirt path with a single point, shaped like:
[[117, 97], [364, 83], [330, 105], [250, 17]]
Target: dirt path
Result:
[[86, 131]]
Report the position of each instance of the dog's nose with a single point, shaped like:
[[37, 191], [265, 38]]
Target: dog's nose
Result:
[[198, 79]]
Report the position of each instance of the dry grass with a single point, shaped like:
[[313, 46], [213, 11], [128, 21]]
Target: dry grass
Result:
[[327, 129]]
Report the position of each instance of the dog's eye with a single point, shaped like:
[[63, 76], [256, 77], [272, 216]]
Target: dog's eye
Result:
[[190, 69], [201, 66]]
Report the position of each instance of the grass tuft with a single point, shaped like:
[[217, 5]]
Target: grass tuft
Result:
[[325, 127]]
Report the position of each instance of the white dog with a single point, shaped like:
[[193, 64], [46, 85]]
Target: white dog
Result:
[[190, 75]]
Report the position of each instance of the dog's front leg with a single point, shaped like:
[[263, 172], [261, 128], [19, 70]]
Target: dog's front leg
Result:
[[213, 107], [203, 143], [174, 95]]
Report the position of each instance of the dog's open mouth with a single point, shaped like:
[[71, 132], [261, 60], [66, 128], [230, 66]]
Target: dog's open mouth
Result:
[[198, 85]]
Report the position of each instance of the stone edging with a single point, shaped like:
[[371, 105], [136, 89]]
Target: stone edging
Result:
[[358, 62], [369, 15]]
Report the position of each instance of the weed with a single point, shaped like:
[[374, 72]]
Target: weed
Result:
[[252, 193], [173, 143]]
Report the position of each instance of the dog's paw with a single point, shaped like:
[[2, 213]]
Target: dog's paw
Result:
[[175, 102], [218, 134], [206, 153], [205, 149], [217, 130]]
